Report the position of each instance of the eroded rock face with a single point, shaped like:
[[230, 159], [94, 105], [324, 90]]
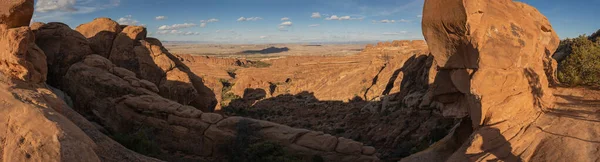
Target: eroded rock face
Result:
[[100, 33], [149, 60], [115, 97], [20, 57], [487, 55], [16, 13], [493, 60], [63, 47], [36, 124]]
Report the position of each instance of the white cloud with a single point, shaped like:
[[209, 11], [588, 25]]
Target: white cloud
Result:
[[391, 21], [62, 10], [394, 33], [404, 21], [284, 25], [419, 15], [316, 15], [203, 23], [74, 6], [285, 19], [263, 37], [160, 18], [249, 19], [176, 32], [210, 20], [192, 33], [313, 25], [287, 23], [55, 5], [335, 17], [127, 20], [387, 21], [176, 26]]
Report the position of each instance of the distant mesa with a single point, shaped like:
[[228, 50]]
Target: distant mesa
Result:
[[269, 50]]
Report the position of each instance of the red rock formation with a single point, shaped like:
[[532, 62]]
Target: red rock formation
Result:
[[16, 13], [117, 99], [149, 60], [63, 47], [36, 124], [492, 57], [100, 33]]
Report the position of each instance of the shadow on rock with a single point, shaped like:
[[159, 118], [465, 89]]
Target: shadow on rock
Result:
[[395, 133]]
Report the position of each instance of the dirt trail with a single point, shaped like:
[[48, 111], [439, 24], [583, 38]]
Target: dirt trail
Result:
[[577, 103]]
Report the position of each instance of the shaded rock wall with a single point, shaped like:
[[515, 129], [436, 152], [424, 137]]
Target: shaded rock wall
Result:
[[124, 107]]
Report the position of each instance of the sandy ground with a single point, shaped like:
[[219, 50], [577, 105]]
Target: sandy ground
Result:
[[262, 51]]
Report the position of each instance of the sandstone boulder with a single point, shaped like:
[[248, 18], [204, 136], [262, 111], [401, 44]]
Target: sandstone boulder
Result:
[[499, 51], [149, 60], [122, 53], [16, 13], [493, 63], [100, 33], [21, 58], [63, 47]]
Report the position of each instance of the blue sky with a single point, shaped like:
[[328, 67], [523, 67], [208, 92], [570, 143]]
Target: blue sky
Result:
[[264, 21]]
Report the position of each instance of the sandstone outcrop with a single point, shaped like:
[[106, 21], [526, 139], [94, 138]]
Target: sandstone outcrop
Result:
[[63, 47], [20, 57], [36, 124], [100, 33], [492, 58], [16, 13], [129, 48], [123, 105]]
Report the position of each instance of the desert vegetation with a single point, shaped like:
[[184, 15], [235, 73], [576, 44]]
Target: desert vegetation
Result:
[[582, 63]]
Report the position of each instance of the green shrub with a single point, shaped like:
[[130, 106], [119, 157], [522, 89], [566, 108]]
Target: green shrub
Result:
[[582, 65], [231, 72], [226, 95]]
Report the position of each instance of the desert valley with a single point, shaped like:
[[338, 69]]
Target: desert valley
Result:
[[491, 81]]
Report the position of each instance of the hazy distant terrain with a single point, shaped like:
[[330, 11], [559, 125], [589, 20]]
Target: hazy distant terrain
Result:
[[259, 51]]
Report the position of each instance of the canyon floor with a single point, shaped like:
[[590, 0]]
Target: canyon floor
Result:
[[313, 92], [262, 51]]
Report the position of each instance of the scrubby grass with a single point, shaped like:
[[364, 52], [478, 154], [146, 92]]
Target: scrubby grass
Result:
[[582, 65], [226, 95]]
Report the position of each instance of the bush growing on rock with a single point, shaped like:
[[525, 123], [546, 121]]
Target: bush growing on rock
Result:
[[581, 65]]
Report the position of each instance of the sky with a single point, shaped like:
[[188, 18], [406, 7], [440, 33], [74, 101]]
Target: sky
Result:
[[288, 21]]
